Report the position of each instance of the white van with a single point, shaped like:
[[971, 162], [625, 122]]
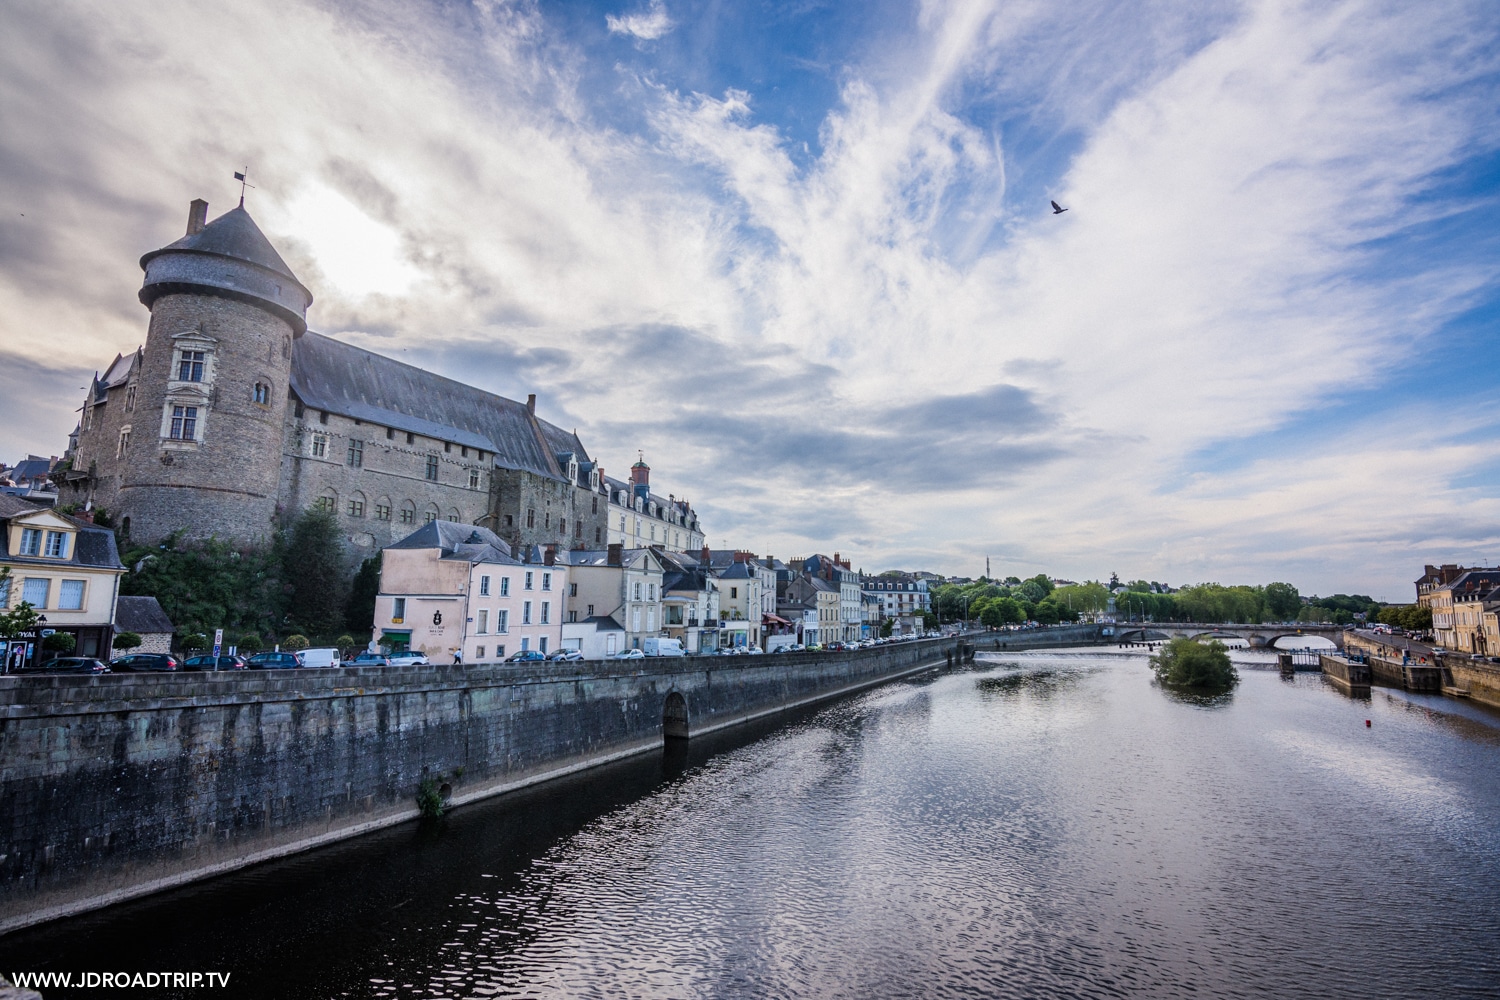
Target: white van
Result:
[[328, 657], [661, 647]]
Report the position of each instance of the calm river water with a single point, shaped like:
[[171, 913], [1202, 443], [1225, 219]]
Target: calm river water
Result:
[[1045, 825]]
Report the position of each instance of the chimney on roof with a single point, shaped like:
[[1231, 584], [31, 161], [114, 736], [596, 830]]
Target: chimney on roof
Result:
[[531, 403], [197, 215], [549, 557], [707, 555], [615, 556], [84, 515]]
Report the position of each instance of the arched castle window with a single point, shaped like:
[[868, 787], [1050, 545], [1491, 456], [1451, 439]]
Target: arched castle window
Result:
[[329, 501], [431, 514], [453, 515], [408, 512], [383, 509], [262, 394], [356, 506], [124, 443]]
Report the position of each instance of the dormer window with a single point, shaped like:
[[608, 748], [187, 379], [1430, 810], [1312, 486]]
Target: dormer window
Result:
[[190, 367]]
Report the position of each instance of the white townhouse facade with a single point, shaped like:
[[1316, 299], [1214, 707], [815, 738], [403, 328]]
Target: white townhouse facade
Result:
[[897, 593], [618, 583], [638, 518]]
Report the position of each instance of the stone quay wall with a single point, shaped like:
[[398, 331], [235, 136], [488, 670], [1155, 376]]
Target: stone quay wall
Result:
[[116, 786]]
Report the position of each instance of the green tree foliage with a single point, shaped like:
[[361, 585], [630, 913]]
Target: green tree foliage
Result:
[[1195, 667], [249, 643], [60, 642], [345, 642], [207, 585], [313, 561], [192, 641], [1082, 598], [127, 640], [295, 643], [22, 618], [1211, 602], [359, 616], [1412, 617], [1282, 601]]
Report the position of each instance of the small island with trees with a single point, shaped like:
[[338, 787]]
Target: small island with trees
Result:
[[1188, 666]]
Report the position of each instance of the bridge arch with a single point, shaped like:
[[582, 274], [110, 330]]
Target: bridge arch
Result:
[[674, 717]]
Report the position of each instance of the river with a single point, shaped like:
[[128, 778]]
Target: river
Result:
[[1047, 824]]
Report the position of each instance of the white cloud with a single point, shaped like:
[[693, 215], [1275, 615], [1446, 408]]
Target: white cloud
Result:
[[648, 25], [1232, 182]]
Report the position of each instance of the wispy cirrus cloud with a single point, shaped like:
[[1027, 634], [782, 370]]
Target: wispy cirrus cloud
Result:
[[647, 25]]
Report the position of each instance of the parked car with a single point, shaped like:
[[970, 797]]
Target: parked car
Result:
[[320, 657], [567, 654], [226, 662], [274, 661], [370, 660], [144, 663], [410, 658], [66, 665], [525, 656], [630, 654]]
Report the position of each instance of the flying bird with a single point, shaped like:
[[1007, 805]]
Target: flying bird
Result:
[[1057, 209]]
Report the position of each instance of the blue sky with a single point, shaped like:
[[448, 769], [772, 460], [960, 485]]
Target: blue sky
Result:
[[801, 253]]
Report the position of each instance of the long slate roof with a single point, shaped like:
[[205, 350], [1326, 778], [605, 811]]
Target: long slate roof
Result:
[[330, 375]]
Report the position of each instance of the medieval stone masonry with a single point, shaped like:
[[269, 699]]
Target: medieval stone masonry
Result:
[[234, 416]]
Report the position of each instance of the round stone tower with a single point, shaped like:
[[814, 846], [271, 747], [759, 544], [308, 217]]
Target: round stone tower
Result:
[[211, 401]]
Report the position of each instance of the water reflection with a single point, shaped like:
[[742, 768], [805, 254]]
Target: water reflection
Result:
[[1040, 825]]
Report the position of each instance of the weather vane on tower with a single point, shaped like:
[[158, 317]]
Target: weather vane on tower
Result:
[[240, 176]]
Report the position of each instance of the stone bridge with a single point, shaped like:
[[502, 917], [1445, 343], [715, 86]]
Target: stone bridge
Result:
[[1258, 636]]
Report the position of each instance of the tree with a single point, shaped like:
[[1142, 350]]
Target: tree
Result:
[[314, 568], [1282, 600], [210, 584], [126, 640], [1195, 667], [345, 642], [359, 615], [192, 641], [295, 643], [60, 642], [22, 618]]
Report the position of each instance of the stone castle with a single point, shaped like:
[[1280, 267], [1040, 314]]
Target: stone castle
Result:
[[234, 417]]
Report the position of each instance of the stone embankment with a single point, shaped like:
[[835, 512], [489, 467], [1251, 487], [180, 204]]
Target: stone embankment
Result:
[[116, 786]]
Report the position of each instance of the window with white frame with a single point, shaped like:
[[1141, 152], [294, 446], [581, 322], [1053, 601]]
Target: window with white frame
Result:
[[398, 609], [31, 541], [526, 613], [505, 586], [484, 586], [482, 622], [34, 591], [546, 581], [546, 612], [526, 585], [57, 545], [190, 366], [184, 426], [502, 621], [70, 595]]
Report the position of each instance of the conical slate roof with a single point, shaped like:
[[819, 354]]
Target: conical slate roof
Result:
[[233, 234]]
